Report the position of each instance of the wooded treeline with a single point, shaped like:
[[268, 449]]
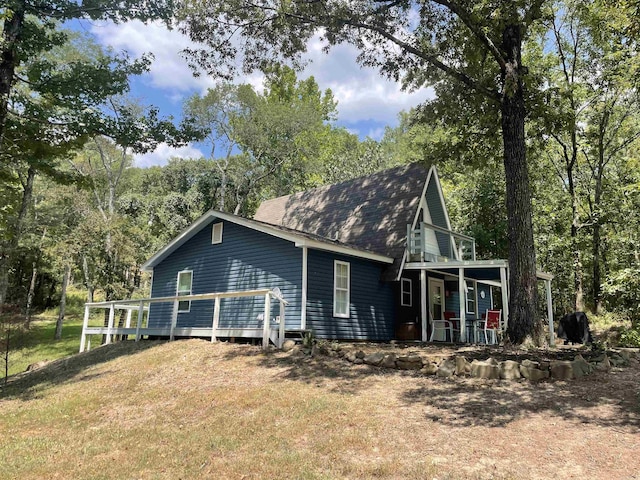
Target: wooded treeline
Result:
[[74, 208]]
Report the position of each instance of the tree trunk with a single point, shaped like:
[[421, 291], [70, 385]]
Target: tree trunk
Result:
[[63, 301], [6, 258], [522, 321], [578, 292], [87, 279], [32, 289], [11, 36]]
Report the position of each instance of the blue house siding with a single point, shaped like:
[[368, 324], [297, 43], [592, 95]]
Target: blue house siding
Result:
[[484, 304], [371, 300], [245, 260]]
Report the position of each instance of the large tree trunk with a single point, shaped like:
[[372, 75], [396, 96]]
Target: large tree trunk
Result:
[[63, 301], [6, 257], [11, 33], [522, 321]]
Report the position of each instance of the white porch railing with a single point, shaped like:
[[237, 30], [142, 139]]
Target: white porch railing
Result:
[[142, 306], [427, 240]]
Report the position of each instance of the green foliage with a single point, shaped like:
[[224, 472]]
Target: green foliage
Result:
[[622, 292]]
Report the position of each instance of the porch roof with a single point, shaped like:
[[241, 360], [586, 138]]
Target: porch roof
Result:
[[481, 270]]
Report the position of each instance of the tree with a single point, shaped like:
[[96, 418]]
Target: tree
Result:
[[475, 43]]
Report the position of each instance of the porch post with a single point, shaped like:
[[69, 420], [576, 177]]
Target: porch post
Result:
[[174, 319], [423, 303], [216, 319], [547, 284], [282, 325], [266, 322], [305, 286], [128, 321], [110, 323], [140, 314], [505, 296], [85, 323], [463, 307]]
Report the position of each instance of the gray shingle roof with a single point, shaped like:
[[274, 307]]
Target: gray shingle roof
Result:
[[369, 212]]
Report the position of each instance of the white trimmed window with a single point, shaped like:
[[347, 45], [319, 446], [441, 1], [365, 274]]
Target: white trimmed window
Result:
[[470, 297], [341, 287], [185, 282], [406, 292], [216, 233]]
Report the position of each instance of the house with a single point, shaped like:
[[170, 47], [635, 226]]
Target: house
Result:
[[373, 258]]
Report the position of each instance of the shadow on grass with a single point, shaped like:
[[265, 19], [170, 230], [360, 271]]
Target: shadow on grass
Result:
[[27, 385], [601, 399]]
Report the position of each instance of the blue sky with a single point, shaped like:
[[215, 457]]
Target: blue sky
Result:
[[366, 102]]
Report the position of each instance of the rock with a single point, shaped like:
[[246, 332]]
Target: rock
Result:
[[486, 369], [429, 368], [604, 365], [446, 368], [389, 361], [374, 358], [462, 366], [533, 374], [358, 361], [288, 345], [626, 354], [323, 349], [360, 354], [492, 361], [510, 370], [561, 370], [37, 365], [351, 356], [617, 360], [530, 364], [580, 366], [545, 365], [409, 362]]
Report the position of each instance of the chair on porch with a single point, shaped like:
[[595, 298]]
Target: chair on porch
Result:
[[439, 328], [490, 324]]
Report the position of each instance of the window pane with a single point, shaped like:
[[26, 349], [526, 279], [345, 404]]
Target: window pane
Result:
[[341, 302], [183, 306], [184, 282]]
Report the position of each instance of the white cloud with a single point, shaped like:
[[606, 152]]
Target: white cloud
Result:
[[162, 154]]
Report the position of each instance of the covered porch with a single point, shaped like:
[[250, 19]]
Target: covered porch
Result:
[[494, 273]]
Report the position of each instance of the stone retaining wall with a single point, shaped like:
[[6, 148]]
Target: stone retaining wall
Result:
[[459, 365]]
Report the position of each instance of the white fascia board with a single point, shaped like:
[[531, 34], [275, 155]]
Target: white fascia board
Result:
[[352, 252], [456, 264], [298, 240]]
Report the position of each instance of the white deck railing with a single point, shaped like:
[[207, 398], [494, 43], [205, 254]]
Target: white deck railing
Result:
[[214, 331], [424, 241]]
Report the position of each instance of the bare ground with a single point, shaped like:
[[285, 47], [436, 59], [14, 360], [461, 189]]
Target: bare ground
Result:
[[337, 420]]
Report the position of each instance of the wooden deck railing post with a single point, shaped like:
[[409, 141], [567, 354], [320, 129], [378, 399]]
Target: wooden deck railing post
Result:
[[112, 311], [139, 324], [127, 323], [282, 326], [85, 324], [216, 319], [266, 324]]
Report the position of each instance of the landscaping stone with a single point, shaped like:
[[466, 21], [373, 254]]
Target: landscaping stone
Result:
[[463, 367], [389, 361], [581, 367], [486, 369], [604, 365], [37, 365], [429, 368], [360, 354], [350, 356], [617, 360], [374, 358], [561, 370], [510, 370], [533, 374], [530, 364], [409, 362], [288, 345], [358, 361], [446, 368]]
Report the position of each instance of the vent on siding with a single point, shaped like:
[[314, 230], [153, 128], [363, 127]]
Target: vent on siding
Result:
[[216, 233]]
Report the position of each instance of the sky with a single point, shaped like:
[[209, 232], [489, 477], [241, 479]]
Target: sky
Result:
[[366, 101]]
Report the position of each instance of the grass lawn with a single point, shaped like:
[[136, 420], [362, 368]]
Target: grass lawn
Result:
[[191, 409]]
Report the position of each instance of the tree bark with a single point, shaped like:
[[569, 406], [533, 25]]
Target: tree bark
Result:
[[11, 33], [63, 301], [6, 257], [522, 320]]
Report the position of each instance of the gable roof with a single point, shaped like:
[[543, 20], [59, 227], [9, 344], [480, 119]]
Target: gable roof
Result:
[[370, 212], [300, 239]]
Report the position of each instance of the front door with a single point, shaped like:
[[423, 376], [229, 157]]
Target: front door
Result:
[[436, 299]]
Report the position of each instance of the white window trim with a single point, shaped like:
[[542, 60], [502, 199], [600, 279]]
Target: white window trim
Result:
[[469, 284], [214, 240], [336, 289], [190, 290], [403, 291]]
